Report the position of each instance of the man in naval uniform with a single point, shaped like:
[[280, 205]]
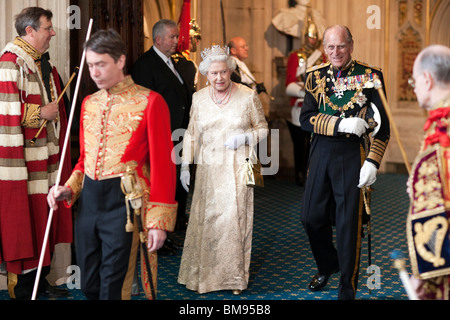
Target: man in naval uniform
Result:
[[339, 95], [428, 229], [125, 137]]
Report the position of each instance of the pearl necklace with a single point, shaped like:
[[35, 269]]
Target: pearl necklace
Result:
[[225, 98]]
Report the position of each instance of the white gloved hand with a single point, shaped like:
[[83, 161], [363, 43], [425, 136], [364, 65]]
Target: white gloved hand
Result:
[[185, 177], [367, 175], [295, 89], [353, 125], [236, 141]]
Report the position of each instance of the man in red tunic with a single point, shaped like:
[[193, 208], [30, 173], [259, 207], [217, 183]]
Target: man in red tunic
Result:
[[124, 130], [29, 89], [299, 61]]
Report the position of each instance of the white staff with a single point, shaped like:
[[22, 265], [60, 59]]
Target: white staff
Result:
[[399, 264], [58, 178]]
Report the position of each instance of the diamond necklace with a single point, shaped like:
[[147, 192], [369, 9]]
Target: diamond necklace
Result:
[[225, 98]]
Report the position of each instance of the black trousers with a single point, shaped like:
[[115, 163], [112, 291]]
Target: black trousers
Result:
[[102, 244], [332, 196], [300, 140]]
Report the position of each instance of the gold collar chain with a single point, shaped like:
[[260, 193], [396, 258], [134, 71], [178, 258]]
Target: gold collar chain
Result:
[[331, 73], [28, 48], [358, 97]]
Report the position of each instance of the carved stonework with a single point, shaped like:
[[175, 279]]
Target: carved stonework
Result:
[[410, 44], [402, 12], [418, 12]]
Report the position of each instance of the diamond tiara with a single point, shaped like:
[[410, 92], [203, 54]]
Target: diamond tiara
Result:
[[215, 50]]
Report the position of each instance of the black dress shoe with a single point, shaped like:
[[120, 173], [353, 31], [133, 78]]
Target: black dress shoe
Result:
[[320, 280], [52, 292]]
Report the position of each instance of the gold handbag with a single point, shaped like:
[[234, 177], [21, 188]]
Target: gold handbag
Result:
[[252, 171]]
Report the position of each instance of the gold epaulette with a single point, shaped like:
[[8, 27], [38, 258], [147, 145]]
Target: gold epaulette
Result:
[[297, 51], [368, 65], [319, 66], [183, 54]]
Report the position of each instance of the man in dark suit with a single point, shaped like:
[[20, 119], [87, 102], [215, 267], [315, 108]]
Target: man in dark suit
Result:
[[156, 70], [153, 70]]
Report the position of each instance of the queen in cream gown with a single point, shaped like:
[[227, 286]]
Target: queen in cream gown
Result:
[[226, 121]]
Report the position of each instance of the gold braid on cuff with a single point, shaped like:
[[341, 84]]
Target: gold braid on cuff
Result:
[[31, 116]]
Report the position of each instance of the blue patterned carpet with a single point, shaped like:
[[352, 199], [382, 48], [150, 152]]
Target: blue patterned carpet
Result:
[[282, 264]]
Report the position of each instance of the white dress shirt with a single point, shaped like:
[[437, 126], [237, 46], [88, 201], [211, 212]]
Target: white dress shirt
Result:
[[169, 62]]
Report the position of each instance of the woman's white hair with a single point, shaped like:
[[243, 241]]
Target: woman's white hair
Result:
[[203, 67]]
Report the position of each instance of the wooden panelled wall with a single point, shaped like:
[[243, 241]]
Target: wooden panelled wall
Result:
[[126, 17]]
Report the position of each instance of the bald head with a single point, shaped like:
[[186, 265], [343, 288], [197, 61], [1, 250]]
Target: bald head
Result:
[[238, 48], [431, 74], [436, 60], [338, 29]]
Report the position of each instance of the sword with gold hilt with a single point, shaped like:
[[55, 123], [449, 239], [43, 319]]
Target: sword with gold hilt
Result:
[[75, 72], [133, 196], [374, 124]]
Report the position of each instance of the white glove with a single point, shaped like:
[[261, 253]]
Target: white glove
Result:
[[295, 89], [353, 125], [185, 177], [236, 141], [367, 175]]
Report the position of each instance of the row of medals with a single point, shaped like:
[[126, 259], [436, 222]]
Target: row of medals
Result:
[[350, 82]]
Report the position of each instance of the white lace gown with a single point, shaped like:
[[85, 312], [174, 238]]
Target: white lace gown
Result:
[[217, 248]]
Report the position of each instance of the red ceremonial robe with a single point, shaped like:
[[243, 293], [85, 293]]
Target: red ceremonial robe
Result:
[[28, 171]]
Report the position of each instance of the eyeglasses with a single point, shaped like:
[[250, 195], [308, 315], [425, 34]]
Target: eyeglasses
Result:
[[412, 82], [49, 29]]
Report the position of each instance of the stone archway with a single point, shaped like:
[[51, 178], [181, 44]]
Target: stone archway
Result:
[[439, 24]]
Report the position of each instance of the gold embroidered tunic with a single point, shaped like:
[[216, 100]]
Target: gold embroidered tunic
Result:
[[129, 126], [428, 222]]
